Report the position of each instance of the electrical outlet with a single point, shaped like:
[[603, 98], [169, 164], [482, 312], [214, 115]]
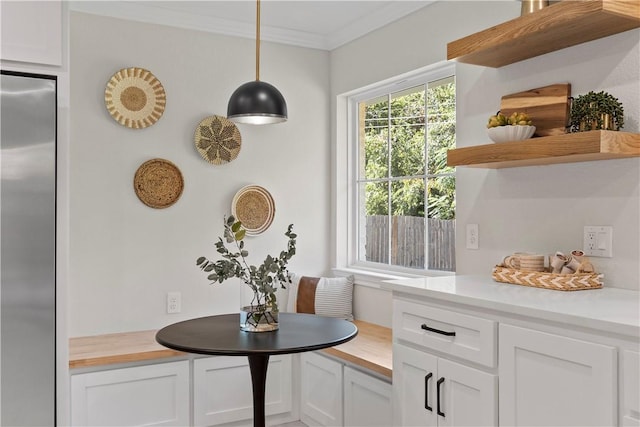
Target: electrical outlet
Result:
[[472, 236], [598, 241], [174, 302]]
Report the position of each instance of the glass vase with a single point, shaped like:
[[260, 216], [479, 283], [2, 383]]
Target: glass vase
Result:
[[255, 315], [258, 318]]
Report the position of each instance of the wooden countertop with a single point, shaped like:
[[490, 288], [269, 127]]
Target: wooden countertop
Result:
[[116, 348], [371, 349]]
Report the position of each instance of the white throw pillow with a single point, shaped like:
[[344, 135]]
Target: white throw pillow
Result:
[[324, 296]]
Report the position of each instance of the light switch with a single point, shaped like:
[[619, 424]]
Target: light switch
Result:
[[602, 241]]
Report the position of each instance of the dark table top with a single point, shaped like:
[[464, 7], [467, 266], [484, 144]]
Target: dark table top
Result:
[[221, 335]]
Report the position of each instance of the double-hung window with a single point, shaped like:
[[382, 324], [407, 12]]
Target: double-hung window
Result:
[[403, 191]]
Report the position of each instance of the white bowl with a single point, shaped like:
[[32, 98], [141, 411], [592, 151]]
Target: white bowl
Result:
[[511, 133]]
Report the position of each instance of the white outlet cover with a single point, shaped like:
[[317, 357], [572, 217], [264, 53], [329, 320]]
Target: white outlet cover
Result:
[[472, 236], [174, 302], [598, 241]]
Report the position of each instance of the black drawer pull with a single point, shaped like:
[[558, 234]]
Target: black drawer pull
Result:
[[438, 331], [426, 392], [440, 381]]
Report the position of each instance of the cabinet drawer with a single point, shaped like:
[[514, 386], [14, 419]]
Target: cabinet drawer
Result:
[[468, 337]]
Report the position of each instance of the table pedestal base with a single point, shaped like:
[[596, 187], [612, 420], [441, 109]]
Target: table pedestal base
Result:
[[258, 364]]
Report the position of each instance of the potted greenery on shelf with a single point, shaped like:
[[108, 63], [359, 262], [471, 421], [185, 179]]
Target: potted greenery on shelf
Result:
[[596, 111], [261, 315]]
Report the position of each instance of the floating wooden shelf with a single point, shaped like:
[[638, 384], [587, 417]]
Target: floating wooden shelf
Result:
[[552, 28], [567, 148]]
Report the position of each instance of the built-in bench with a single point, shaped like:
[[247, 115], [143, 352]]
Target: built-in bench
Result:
[[370, 350], [120, 365]]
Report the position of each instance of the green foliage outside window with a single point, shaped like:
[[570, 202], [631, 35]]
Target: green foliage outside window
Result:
[[403, 134]]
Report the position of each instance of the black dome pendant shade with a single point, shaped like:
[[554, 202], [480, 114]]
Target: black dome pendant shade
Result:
[[257, 102]]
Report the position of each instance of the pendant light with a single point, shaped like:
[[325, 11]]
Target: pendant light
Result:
[[257, 102]]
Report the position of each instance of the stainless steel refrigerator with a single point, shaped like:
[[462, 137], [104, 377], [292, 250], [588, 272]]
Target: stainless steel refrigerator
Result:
[[27, 249]]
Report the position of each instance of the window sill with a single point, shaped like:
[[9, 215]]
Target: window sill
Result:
[[373, 278]]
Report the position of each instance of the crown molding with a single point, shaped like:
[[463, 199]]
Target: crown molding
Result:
[[147, 13], [373, 21]]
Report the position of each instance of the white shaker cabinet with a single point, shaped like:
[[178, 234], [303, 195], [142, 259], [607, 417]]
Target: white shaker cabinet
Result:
[[337, 395], [560, 358], [31, 31], [222, 390], [631, 388], [151, 395], [367, 400], [321, 384], [433, 391], [553, 380]]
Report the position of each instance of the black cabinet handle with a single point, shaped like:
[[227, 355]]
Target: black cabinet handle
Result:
[[440, 381], [438, 331], [426, 391]]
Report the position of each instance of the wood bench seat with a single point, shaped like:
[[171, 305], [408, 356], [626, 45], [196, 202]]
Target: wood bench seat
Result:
[[371, 349]]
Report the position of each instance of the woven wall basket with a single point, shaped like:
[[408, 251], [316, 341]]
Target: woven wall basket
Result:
[[217, 140], [254, 207], [135, 98], [158, 183], [557, 282]]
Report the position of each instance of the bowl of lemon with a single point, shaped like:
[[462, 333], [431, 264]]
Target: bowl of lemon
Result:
[[516, 127]]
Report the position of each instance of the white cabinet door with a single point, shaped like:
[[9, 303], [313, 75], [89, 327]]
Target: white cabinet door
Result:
[[31, 31], [551, 380], [631, 388], [367, 400], [321, 383], [414, 377], [431, 391], [153, 395], [465, 396], [222, 389]]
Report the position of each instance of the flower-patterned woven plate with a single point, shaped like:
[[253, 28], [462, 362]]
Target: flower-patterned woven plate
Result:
[[218, 140]]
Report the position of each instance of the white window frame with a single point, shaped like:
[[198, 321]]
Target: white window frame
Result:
[[346, 172]]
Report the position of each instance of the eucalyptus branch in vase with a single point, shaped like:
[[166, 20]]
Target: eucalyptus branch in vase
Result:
[[263, 279]]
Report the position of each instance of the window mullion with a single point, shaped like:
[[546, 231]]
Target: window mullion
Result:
[[426, 179], [389, 204]]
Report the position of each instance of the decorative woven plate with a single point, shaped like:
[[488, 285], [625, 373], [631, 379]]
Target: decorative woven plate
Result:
[[218, 140], [254, 207], [135, 98], [158, 183]]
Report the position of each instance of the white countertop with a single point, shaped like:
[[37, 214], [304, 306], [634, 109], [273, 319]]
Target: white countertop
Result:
[[610, 310]]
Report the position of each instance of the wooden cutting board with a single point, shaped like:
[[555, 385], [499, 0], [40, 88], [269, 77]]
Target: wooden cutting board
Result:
[[548, 107]]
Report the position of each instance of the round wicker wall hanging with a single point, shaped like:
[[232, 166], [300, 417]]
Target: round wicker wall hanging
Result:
[[158, 183], [254, 207], [218, 140], [135, 98]]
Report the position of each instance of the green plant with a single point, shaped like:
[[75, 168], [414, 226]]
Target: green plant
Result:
[[594, 111], [263, 279]]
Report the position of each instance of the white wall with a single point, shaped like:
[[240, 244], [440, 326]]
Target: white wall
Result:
[[125, 256], [545, 208], [540, 209]]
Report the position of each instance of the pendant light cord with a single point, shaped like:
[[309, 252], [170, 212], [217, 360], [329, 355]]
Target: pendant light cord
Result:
[[257, 39]]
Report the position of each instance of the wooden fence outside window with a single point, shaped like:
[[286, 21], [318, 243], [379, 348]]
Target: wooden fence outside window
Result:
[[407, 242]]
